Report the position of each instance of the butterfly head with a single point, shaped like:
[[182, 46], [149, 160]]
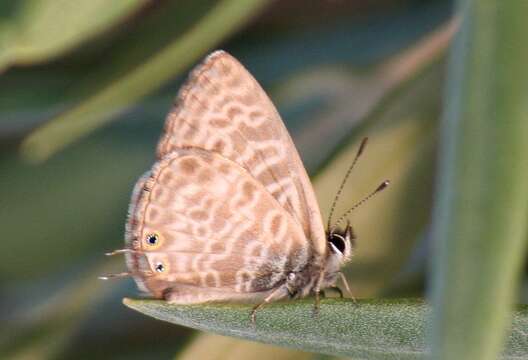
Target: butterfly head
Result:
[[341, 243]]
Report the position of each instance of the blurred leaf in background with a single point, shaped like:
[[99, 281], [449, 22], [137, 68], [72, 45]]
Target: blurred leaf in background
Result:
[[38, 30], [84, 91]]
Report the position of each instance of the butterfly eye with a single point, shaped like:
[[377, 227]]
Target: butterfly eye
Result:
[[338, 241], [152, 239], [160, 267]]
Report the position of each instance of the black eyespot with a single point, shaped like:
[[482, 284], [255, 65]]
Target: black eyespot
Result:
[[160, 267], [152, 239], [338, 242]]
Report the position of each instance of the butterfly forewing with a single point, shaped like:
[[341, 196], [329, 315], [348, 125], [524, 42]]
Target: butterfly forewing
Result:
[[210, 224], [223, 109]]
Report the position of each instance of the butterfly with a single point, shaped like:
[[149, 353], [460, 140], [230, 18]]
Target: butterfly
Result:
[[227, 212]]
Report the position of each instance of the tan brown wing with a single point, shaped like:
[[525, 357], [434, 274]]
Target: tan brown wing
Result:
[[210, 225], [222, 108]]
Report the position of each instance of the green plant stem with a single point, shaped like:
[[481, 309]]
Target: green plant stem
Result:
[[223, 19], [480, 221]]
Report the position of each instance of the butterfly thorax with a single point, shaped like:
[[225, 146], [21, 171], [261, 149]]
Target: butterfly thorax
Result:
[[304, 282], [321, 271]]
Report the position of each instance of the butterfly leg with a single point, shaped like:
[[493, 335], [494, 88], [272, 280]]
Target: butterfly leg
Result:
[[317, 304], [292, 293], [345, 282], [270, 297], [114, 276], [317, 291]]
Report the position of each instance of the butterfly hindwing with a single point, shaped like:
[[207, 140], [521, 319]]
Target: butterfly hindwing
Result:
[[211, 225]]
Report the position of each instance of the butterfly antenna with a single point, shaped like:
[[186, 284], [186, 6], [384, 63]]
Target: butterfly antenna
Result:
[[345, 178], [381, 187]]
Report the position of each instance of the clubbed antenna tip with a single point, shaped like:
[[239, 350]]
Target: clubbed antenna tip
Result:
[[382, 186]]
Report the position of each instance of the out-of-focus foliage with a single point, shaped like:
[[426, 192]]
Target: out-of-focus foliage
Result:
[[230, 348], [337, 71], [482, 208], [36, 30], [144, 72]]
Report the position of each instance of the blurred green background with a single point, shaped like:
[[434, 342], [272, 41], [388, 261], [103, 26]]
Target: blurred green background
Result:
[[92, 81]]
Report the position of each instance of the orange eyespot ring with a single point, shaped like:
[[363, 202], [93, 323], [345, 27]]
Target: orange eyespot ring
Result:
[[153, 240]]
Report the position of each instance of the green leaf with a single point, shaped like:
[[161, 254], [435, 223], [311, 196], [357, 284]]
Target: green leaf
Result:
[[34, 30], [368, 329], [480, 219]]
